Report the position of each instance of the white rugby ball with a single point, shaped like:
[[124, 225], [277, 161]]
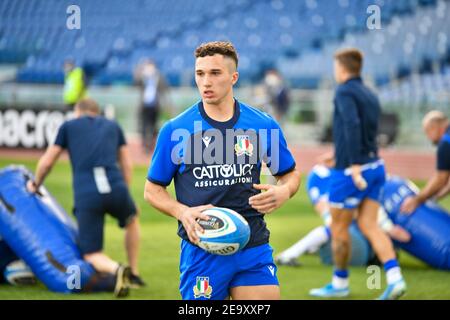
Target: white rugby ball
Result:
[[226, 231]]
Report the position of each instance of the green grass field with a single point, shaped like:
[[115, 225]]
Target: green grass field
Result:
[[160, 251]]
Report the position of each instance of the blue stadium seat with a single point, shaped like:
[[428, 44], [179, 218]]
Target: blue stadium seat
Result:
[[299, 36]]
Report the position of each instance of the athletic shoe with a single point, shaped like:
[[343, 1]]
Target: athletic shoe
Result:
[[136, 282], [292, 262], [122, 287], [329, 292], [394, 291]]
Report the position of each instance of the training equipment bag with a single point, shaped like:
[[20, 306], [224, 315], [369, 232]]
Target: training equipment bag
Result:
[[429, 224]]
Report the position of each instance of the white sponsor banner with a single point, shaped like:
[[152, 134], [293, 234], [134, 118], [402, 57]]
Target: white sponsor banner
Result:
[[29, 128]]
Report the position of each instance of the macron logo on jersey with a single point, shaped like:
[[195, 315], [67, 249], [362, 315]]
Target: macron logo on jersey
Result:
[[272, 270], [206, 140]]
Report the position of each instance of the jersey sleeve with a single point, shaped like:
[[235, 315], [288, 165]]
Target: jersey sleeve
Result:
[[61, 136], [121, 141], [347, 108], [164, 163], [278, 158], [443, 156]]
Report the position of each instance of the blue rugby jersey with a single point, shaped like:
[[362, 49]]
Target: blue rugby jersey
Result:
[[218, 162], [443, 152], [92, 142]]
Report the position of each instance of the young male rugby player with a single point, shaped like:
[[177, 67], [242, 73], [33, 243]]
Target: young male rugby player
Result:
[[213, 151]]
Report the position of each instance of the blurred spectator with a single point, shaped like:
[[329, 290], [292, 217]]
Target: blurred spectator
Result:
[[261, 98], [152, 86], [278, 94], [75, 85]]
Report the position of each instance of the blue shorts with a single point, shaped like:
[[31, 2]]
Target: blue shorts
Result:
[[318, 184], [208, 276], [344, 194], [90, 215]]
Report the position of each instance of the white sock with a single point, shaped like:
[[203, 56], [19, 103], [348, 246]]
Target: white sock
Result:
[[314, 239], [339, 283], [393, 275]]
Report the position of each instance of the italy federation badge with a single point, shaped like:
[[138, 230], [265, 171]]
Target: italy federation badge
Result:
[[202, 288], [243, 146]]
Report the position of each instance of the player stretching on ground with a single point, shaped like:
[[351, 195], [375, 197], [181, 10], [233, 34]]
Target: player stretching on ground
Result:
[[357, 179], [213, 151], [437, 129], [96, 146]]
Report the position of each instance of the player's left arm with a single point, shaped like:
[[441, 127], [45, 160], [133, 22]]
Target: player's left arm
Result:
[[443, 192], [125, 163], [433, 186], [124, 157], [273, 196], [44, 167]]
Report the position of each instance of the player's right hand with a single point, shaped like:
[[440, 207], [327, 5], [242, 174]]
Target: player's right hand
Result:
[[189, 220], [31, 186], [409, 205], [399, 234], [357, 177], [360, 182]]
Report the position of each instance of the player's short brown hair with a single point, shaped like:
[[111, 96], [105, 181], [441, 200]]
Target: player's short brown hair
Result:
[[223, 48], [88, 105], [351, 59]]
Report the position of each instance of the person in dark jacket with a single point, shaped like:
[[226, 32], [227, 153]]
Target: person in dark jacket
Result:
[[357, 178]]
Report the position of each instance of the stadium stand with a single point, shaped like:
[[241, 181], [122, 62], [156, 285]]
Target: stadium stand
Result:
[[297, 36]]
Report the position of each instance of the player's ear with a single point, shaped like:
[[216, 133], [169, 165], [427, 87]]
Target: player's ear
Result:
[[234, 77]]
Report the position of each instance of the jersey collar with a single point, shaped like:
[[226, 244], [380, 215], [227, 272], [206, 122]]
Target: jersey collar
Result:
[[355, 78], [221, 125]]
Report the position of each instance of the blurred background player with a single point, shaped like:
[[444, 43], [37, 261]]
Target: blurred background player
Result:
[[152, 89], [102, 169], [75, 84], [277, 93], [317, 185], [437, 129], [357, 178], [250, 273]]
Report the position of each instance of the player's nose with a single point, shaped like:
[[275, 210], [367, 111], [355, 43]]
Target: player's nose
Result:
[[207, 81]]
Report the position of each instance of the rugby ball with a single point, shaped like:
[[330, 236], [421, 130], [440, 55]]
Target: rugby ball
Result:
[[226, 231], [18, 273]]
